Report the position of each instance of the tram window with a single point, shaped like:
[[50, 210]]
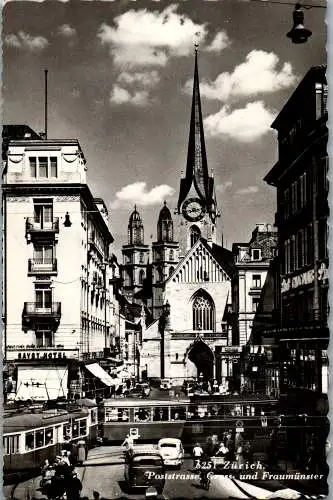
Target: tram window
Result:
[[75, 430], [161, 414], [93, 416], [191, 412], [40, 439], [214, 410], [123, 415], [67, 431], [178, 413], [49, 436], [142, 415], [29, 441], [111, 414], [11, 444], [202, 411], [83, 427], [237, 411]]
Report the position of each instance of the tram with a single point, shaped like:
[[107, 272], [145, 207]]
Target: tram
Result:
[[192, 419], [148, 419], [32, 436]]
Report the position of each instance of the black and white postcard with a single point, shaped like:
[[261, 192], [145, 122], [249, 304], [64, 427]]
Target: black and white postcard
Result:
[[165, 249]]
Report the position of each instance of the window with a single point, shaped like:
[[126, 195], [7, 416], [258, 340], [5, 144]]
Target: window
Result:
[[292, 253], [255, 303], [287, 256], [43, 254], [256, 280], [11, 444], [203, 312], [43, 213], [83, 427], [44, 338], [33, 166], [172, 255], [43, 167], [195, 234], [141, 257], [141, 276], [171, 270], [256, 254], [43, 296], [142, 415], [300, 253], [161, 414]]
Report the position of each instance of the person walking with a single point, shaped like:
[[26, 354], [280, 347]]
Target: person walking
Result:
[[73, 487], [197, 455], [128, 442]]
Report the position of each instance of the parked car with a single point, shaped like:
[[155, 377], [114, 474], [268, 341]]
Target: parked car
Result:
[[144, 467], [142, 389], [166, 384], [172, 451]]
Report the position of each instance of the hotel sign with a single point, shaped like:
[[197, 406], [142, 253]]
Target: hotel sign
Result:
[[33, 355], [305, 278]]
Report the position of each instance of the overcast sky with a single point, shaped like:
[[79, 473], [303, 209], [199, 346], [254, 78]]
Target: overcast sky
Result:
[[120, 81]]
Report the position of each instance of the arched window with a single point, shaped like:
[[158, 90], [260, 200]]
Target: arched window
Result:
[[141, 276], [171, 270], [172, 254], [203, 312], [194, 234], [141, 258]]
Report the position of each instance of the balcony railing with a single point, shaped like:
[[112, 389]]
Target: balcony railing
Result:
[[42, 266], [34, 313], [33, 226]]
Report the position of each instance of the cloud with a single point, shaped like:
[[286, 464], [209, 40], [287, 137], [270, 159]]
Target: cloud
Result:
[[220, 42], [119, 95], [248, 190], [243, 124], [224, 186], [137, 193], [25, 41], [143, 37], [260, 73], [146, 79], [66, 30]]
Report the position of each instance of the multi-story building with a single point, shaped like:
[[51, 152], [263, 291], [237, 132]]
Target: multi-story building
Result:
[[56, 263], [252, 261], [300, 176]]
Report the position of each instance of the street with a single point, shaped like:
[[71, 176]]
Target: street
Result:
[[104, 473]]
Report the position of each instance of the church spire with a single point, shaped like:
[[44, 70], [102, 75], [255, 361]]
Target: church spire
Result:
[[196, 168]]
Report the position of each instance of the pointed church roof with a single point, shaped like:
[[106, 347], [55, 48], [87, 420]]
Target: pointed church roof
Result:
[[165, 213], [135, 216], [196, 168]]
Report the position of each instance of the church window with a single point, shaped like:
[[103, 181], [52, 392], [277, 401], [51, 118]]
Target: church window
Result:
[[195, 234], [171, 270], [141, 257], [172, 254], [141, 276], [203, 312]]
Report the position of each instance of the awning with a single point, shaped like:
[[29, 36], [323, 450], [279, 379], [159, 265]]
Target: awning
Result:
[[41, 383], [98, 372]]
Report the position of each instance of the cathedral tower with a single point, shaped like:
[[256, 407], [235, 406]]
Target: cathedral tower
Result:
[[197, 202], [135, 256], [165, 254]]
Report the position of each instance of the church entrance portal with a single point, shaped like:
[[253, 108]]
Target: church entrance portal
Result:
[[202, 357]]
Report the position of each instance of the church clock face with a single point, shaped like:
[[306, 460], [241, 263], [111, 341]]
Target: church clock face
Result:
[[193, 209]]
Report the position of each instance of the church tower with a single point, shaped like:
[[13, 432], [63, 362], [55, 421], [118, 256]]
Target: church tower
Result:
[[197, 202], [165, 255], [135, 256]]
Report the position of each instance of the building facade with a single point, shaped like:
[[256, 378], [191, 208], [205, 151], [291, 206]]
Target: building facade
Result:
[[252, 261], [300, 177], [56, 264]]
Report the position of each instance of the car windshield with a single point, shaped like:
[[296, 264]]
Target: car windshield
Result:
[[168, 445]]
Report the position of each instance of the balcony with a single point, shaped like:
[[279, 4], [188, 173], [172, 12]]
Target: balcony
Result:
[[33, 227], [42, 266], [34, 314]]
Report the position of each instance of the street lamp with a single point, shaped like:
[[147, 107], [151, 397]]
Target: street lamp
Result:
[[298, 33]]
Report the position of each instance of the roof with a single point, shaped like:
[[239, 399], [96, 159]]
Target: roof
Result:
[[222, 255], [25, 421], [165, 213], [135, 216]]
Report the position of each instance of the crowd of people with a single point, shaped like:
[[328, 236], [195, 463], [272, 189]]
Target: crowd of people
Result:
[[59, 479]]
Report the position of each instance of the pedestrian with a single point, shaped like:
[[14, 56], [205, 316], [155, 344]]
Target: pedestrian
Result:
[[197, 455], [128, 442], [73, 487]]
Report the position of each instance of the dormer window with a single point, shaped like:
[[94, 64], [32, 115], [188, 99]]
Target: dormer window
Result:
[[255, 254], [43, 167]]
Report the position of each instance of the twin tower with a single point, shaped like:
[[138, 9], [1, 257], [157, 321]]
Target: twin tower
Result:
[[195, 216]]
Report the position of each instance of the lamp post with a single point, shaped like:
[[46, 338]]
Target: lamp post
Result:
[[163, 323]]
